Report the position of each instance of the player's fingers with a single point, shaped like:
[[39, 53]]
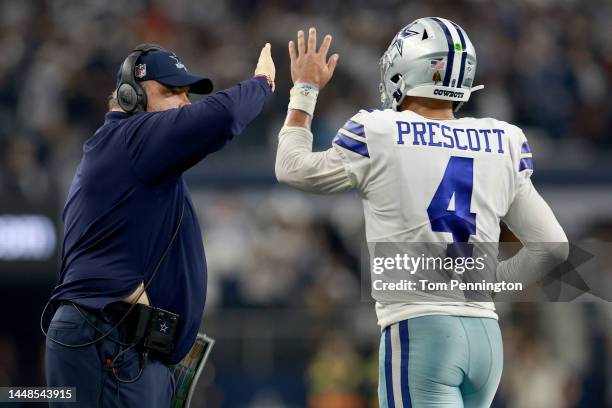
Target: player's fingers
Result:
[[301, 44], [331, 63], [312, 40], [292, 51], [325, 46]]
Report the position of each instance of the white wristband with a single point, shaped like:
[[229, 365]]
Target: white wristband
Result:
[[303, 96]]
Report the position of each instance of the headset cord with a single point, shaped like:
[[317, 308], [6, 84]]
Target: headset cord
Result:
[[96, 328], [142, 360], [94, 341]]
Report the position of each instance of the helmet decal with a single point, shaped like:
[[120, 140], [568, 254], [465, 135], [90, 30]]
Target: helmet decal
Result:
[[451, 51], [463, 54], [406, 32]]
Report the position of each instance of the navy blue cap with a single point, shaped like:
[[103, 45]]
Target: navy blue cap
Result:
[[165, 67]]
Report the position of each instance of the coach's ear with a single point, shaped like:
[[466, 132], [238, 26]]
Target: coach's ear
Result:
[[265, 66]]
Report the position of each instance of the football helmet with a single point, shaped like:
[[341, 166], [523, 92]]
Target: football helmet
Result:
[[431, 57]]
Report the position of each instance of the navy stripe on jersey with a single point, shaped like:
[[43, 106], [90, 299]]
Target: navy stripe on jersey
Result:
[[451, 52], [405, 358], [389, 369], [525, 164], [525, 148], [351, 144], [463, 55], [354, 127]]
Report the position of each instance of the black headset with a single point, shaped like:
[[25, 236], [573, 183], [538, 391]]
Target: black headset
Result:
[[131, 96]]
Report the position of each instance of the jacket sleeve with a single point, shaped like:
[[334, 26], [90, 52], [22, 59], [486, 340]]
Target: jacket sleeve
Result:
[[161, 144]]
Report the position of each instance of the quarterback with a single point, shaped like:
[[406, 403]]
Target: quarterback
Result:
[[426, 176]]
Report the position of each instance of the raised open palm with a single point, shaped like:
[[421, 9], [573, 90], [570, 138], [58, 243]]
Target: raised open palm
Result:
[[308, 64]]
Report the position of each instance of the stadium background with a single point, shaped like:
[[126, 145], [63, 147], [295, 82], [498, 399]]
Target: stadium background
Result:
[[284, 301]]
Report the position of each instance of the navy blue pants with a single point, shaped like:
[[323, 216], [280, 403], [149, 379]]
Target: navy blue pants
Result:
[[87, 368]]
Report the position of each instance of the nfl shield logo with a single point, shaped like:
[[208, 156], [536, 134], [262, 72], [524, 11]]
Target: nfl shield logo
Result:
[[140, 70]]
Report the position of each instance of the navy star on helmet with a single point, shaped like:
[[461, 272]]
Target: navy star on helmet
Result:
[[431, 57]]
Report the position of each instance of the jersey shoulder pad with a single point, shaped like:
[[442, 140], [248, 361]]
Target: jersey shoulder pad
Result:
[[375, 119], [367, 115], [352, 135], [513, 131], [520, 150], [367, 123]]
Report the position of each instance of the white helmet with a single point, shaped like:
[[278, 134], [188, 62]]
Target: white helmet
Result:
[[431, 57]]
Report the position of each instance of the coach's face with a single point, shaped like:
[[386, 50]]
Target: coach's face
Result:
[[161, 97]]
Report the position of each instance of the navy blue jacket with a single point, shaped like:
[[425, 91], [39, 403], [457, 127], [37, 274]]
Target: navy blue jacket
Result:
[[126, 200]]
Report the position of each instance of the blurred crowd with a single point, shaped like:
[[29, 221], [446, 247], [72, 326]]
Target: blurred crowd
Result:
[[546, 64]]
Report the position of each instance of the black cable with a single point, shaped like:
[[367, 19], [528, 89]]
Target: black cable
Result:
[[142, 360], [133, 305], [96, 328]]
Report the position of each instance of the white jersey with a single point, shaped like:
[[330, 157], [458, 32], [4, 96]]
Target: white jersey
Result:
[[398, 160], [411, 171], [401, 162]]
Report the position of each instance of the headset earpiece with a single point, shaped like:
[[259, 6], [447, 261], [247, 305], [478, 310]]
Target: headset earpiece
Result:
[[131, 96], [127, 97]]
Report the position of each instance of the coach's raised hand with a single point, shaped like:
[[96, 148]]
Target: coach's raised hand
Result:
[[309, 65], [265, 65]]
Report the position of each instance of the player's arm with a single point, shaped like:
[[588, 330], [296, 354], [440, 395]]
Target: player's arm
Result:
[[296, 163], [545, 245], [167, 143]]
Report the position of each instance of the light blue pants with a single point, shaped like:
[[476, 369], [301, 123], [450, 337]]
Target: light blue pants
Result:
[[440, 361]]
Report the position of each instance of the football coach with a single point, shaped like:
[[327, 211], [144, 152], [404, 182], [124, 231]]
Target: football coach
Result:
[[132, 284]]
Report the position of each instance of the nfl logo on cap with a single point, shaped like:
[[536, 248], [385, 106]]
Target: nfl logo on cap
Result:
[[140, 70]]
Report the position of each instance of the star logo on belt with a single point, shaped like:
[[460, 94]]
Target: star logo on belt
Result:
[[163, 327]]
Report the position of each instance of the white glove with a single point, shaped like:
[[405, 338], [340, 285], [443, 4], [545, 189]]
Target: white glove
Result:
[[265, 65]]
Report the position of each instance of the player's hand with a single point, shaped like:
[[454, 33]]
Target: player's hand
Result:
[[308, 64], [265, 65]]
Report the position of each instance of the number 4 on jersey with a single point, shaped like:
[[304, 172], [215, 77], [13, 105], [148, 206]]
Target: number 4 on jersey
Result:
[[457, 181]]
